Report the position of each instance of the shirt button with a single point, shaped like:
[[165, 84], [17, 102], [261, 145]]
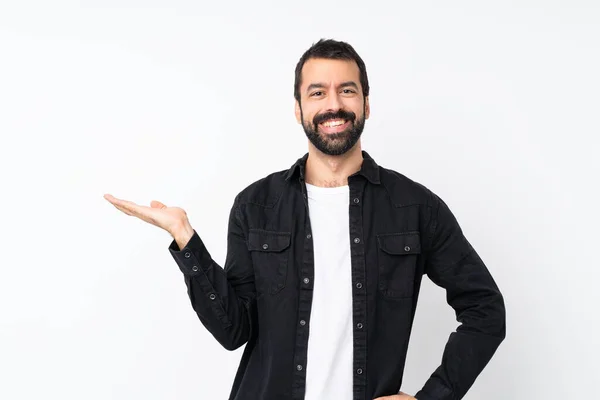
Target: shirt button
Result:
[[359, 285], [187, 254], [306, 280], [308, 236], [265, 246], [299, 367], [359, 371], [359, 325], [356, 200], [195, 268], [212, 296], [406, 248], [356, 240], [302, 322]]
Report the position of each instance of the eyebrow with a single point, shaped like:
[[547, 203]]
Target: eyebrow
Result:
[[320, 85]]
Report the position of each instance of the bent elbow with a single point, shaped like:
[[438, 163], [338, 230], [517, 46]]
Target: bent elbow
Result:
[[234, 345]]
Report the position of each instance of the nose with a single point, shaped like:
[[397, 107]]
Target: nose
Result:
[[333, 102]]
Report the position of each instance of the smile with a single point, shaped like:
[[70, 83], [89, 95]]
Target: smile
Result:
[[334, 125]]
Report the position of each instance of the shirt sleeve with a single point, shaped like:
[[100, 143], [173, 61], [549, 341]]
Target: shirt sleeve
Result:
[[453, 264], [223, 297]]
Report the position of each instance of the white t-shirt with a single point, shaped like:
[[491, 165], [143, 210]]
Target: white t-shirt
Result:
[[329, 369]]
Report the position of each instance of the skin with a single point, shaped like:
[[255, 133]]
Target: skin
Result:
[[339, 89], [328, 86], [172, 219]]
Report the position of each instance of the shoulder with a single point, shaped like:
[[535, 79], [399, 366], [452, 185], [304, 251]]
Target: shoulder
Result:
[[265, 191], [404, 191]]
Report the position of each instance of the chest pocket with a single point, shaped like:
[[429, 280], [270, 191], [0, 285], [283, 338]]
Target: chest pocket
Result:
[[397, 255], [270, 252]]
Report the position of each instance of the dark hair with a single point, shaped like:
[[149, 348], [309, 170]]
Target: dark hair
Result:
[[331, 49]]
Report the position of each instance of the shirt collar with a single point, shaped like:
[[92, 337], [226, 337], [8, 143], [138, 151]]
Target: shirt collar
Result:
[[369, 168]]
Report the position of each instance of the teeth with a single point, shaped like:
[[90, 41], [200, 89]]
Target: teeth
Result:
[[333, 123]]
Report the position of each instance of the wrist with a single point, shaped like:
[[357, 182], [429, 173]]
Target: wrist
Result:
[[182, 233]]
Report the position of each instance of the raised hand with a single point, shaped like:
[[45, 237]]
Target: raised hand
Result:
[[172, 219]]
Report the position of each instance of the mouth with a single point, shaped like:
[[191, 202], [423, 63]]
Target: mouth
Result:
[[334, 125]]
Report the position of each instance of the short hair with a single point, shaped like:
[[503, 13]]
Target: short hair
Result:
[[334, 50]]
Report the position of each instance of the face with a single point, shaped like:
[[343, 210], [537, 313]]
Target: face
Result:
[[332, 109]]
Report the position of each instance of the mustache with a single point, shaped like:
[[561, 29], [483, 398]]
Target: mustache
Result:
[[340, 114]]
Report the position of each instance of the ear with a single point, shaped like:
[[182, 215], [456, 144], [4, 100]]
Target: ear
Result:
[[297, 112], [367, 108]]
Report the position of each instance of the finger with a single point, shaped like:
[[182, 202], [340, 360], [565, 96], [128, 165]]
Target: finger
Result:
[[127, 205], [141, 215], [144, 213], [112, 199], [122, 202], [127, 209], [157, 204], [120, 208]]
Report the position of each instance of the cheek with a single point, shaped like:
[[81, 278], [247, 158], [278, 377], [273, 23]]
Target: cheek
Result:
[[308, 116], [357, 107]]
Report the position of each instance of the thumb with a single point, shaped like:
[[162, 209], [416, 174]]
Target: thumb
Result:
[[157, 204]]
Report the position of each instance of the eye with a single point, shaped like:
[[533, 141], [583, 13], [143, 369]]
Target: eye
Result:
[[348, 91], [316, 93]]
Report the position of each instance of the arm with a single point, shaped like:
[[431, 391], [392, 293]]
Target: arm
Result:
[[452, 263], [223, 298]]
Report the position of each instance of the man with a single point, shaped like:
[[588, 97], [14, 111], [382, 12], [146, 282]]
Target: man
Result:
[[325, 260]]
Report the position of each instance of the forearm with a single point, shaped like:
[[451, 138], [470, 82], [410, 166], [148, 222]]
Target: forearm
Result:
[[480, 308], [224, 314], [222, 308], [465, 356]]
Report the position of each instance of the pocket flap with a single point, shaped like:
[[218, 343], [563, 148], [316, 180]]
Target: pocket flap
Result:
[[400, 243], [262, 240]]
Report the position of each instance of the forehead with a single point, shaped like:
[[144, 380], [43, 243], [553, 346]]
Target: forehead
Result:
[[329, 71]]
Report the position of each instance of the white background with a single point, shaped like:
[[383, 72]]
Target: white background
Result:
[[492, 105]]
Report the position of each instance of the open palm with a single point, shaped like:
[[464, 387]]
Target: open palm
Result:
[[167, 218]]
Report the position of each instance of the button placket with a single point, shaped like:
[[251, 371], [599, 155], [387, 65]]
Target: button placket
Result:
[[306, 274], [358, 241]]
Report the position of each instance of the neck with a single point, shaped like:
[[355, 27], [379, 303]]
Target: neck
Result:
[[332, 171]]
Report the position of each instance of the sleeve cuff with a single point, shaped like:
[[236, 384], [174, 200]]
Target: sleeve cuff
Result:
[[194, 258], [433, 392]]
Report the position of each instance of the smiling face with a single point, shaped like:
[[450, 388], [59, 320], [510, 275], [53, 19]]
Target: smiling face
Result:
[[332, 108]]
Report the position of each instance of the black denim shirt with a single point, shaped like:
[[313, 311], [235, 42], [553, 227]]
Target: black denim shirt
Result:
[[399, 231]]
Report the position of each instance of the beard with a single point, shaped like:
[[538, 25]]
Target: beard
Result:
[[334, 144]]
